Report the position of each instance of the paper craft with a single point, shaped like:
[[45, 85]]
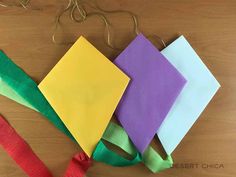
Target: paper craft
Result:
[[84, 89], [195, 96], [28, 94], [154, 86]]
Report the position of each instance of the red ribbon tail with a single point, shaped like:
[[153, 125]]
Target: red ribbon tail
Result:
[[78, 166], [29, 162], [21, 152]]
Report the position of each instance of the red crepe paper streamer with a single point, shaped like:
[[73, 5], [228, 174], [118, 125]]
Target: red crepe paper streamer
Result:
[[29, 162], [78, 166]]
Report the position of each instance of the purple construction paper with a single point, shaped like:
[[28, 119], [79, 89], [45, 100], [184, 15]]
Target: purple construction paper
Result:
[[154, 87]]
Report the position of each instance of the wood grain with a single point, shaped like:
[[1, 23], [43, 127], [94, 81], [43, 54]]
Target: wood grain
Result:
[[210, 26]]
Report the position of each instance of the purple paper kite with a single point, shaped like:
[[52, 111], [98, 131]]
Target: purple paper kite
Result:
[[154, 87]]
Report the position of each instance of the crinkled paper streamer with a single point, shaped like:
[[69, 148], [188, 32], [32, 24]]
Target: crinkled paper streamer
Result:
[[19, 87], [78, 165], [29, 162], [21, 152], [117, 136], [26, 92]]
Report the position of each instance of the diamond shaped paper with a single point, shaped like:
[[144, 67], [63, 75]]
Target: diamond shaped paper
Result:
[[84, 89], [197, 93], [153, 88]]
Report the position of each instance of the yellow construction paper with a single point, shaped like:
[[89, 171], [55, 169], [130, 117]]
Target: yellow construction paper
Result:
[[84, 89]]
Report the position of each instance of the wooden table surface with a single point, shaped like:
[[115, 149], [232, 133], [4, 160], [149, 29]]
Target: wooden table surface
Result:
[[208, 150]]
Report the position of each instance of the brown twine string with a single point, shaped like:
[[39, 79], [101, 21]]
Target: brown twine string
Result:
[[84, 15], [157, 38], [96, 6], [133, 16], [22, 3], [79, 6]]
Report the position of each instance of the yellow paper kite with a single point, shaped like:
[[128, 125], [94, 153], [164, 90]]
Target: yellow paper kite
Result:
[[84, 89]]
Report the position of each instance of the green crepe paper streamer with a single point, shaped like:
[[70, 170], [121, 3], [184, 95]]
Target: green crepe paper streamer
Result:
[[103, 154], [117, 136], [26, 92], [8, 92], [18, 86], [154, 162]]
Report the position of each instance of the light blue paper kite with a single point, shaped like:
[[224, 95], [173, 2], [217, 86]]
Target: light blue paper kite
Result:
[[201, 86]]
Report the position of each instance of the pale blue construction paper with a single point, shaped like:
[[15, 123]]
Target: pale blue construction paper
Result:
[[201, 86]]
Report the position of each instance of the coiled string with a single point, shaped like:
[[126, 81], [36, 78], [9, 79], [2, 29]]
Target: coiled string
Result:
[[22, 3], [80, 7], [77, 6], [78, 14], [82, 15]]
